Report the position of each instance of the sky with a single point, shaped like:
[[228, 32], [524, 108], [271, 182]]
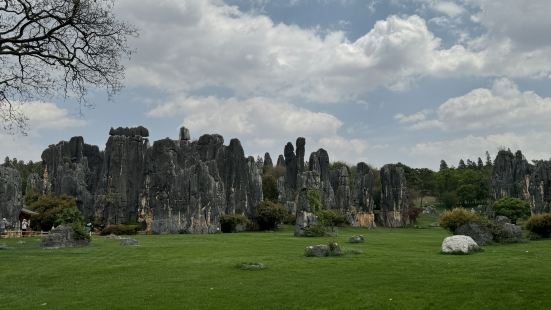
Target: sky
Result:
[[411, 81]]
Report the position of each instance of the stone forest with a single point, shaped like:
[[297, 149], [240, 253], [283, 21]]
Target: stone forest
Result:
[[185, 186]]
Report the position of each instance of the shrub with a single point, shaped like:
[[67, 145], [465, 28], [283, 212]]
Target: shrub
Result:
[[314, 199], [513, 208], [51, 211], [269, 187], [230, 222], [540, 225], [270, 214], [120, 229], [454, 218], [315, 230], [331, 218]]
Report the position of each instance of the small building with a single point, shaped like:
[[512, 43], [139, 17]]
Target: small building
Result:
[[26, 214]]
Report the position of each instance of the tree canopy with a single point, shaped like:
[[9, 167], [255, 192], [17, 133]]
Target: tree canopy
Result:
[[52, 47]]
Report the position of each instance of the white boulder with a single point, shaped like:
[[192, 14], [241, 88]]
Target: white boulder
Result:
[[459, 244]]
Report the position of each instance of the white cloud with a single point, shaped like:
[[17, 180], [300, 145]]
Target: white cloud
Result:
[[47, 115], [502, 107], [447, 7], [534, 145], [263, 124], [210, 44], [43, 117]]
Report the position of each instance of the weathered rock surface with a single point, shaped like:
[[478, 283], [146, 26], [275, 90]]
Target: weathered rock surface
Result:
[[513, 176], [11, 200], [321, 250], [280, 161], [304, 221], [122, 176], [172, 186], [129, 132], [35, 183], [459, 244], [268, 164], [356, 239], [539, 188], [64, 237], [129, 241], [394, 197], [73, 168], [481, 234], [504, 232]]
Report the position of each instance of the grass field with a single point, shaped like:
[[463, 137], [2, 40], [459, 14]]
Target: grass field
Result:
[[399, 269]]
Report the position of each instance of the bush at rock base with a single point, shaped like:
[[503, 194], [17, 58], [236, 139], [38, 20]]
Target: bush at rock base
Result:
[[230, 223], [539, 225], [457, 217], [269, 215], [120, 229], [512, 208]]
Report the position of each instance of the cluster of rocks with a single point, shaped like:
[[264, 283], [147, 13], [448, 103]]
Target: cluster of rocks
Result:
[[64, 236], [171, 186], [350, 195], [514, 176], [499, 230]]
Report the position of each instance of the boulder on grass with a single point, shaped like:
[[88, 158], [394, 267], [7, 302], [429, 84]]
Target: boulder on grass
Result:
[[507, 233], [321, 250], [459, 244], [356, 239], [481, 234], [129, 241], [64, 236]]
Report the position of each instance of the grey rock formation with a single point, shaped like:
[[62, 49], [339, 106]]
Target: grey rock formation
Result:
[[268, 164], [122, 177], [364, 184], [291, 167], [173, 186], [188, 186], [513, 176], [63, 237], [11, 200], [394, 197], [280, 161], [481, 234], [304, 221], [509, 175], [35, 183], [505, 232], [73, 168], [340, 182], [184, 134], [539, 188], [319, 163], [129, 132], [301, 143]]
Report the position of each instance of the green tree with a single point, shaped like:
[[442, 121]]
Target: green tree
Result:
[[270, 215], [513, 208], [269, 188], [51, 211]]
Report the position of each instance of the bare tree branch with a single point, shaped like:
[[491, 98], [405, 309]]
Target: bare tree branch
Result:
[[48, 47]]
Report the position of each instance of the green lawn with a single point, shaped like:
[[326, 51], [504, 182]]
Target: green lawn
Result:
[[399, 269]]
